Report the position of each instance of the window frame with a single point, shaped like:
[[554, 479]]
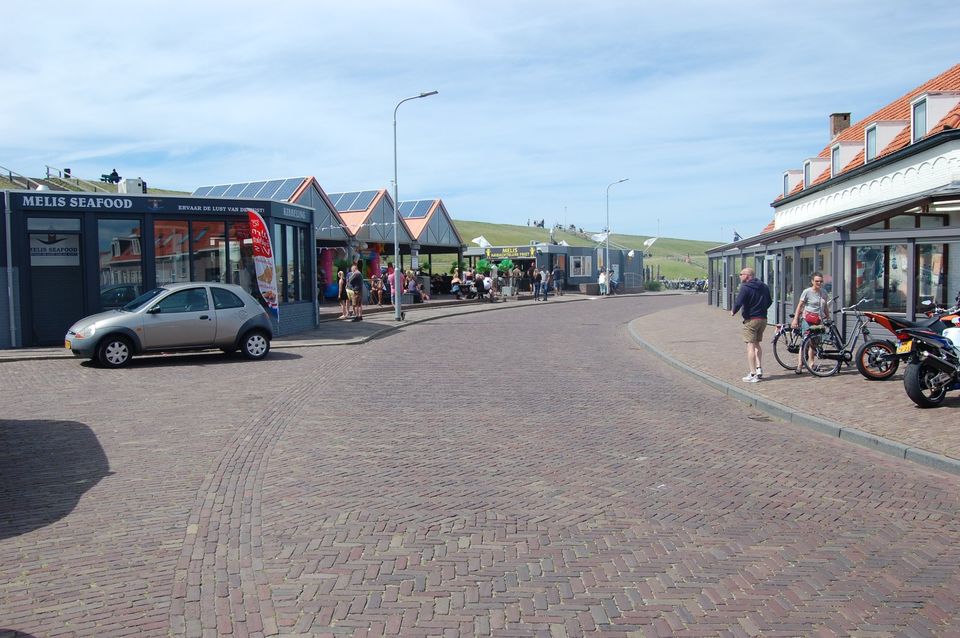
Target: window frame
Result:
[[917, 133], [870, 132]]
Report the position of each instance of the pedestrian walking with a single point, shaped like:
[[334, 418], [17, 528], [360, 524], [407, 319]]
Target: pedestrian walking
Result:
[[754, 299], [557, 280], [545, 281], [537, 282], [602, 281]]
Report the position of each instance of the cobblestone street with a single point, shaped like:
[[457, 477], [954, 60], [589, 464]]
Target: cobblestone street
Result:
[[525, 472]]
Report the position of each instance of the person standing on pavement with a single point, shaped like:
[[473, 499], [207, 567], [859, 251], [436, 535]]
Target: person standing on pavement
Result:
[[545, 281], [342, 294], [754, 298], [557, 280], [537, 282], [812, 309], [602, 281], [355, 290]]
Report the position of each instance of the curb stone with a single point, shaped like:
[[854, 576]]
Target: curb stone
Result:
[[790, 415]]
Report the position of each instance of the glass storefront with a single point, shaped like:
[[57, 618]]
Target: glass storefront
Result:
[[120, 261], [171, 251], [290, 257]]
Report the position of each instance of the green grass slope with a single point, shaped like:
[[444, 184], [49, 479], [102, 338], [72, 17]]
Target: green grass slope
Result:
[[671, 258]]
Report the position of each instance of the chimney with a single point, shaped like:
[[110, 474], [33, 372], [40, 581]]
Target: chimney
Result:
[[838, 123]]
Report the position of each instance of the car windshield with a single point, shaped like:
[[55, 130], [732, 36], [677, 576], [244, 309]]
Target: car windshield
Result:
[[142, 300]]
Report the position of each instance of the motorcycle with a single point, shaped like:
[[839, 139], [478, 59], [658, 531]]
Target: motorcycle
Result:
[[877, 360], [934, 367]]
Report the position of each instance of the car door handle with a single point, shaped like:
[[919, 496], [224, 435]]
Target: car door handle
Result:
[[204, 316]]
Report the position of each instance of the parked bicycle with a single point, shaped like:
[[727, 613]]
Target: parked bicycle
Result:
[[786, 344], [824, 350]]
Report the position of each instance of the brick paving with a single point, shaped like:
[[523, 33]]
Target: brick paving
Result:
[[526, 472], [708, 339]]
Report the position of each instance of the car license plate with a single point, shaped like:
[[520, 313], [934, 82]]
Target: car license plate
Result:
[[905, 347], [66, 344]]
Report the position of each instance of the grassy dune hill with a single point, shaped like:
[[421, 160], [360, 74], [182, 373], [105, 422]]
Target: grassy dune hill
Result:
[[676, 258]]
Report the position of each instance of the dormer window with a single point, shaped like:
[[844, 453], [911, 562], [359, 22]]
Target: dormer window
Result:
[[835, 167], [919, 120], [871, 144], [806, 174], [786, 184]]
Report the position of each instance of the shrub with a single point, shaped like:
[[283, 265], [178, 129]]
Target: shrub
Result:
[[652, 286]]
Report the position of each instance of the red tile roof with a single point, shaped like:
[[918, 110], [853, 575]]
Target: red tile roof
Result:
[[899, 109]]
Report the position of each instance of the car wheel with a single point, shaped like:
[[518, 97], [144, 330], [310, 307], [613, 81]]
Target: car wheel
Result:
[[114, 352], [255, 345]]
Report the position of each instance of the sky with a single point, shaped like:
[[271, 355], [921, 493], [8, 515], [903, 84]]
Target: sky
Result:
[[541, 105]]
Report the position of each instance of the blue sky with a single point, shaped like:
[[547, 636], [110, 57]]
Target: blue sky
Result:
[[702, 105]]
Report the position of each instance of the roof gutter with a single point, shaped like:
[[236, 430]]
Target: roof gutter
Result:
[[912, 149]]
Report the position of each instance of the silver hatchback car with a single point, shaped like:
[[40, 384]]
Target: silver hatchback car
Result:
[[183, 316]]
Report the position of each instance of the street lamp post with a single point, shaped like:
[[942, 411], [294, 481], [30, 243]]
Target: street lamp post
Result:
[[396, 210], [606, 258]]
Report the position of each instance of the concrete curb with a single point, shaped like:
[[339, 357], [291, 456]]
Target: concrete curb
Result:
[[790, 415]]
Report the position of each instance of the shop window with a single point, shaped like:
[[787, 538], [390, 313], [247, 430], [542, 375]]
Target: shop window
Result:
[[581, 266], [289, 258], [788, 276], [120, 264], [931, 273], [240, 263], [902, 222], [209, 251], [807, 264], [881, 274], [171, 251], [825, 266]]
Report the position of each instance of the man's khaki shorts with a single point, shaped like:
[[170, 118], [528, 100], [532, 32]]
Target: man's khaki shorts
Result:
[[753, 330]]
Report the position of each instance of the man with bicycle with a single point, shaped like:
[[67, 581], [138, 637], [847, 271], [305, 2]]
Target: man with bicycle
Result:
[[754, 298], [812, 308]]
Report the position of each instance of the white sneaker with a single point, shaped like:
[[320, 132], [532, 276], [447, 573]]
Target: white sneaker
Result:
[[750, 378], [759, 373]]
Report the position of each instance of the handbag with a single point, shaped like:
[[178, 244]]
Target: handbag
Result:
[[812, 318]]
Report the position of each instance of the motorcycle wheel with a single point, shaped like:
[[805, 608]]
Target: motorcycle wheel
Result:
[[786, 347], [916, 381], [812, 350], [871, 365]]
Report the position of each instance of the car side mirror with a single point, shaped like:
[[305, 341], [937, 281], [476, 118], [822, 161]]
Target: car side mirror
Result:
[[154, 311]]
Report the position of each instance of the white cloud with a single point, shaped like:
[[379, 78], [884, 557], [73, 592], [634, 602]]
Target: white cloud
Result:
[[541, 104]]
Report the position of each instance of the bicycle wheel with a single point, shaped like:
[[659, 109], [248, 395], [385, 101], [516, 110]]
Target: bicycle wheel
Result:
[[786, 347], [820, 355]]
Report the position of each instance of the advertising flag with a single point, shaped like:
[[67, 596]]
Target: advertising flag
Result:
[[263, 261]]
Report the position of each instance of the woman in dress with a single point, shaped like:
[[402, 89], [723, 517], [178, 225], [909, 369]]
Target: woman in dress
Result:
[[342, 294]]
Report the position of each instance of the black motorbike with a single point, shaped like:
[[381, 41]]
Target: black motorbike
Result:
[[934, 367]]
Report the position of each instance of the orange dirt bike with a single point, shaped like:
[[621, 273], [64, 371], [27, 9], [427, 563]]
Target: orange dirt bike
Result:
[[876, 361]]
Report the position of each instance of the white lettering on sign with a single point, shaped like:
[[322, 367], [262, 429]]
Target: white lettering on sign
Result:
[[295, 213]]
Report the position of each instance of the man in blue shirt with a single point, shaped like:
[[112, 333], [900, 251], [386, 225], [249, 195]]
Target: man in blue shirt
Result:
[[754, 299]]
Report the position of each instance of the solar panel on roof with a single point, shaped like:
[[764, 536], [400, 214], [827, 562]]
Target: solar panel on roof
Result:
[[203, 190], [251, 189], [334, 198], [423, 207], [269, 189], [234, 190], [287, 188], [364, 199], [346, 202], [217, 191], [406, 207]]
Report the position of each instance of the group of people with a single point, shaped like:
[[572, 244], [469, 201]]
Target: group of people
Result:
[[754, 300], [350, 289], [544, 280], [608, 282]]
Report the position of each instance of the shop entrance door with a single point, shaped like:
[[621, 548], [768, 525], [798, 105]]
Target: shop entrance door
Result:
[[56, 278]]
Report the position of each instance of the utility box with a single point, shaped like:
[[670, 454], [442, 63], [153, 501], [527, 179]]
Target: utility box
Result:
[[131, 186]]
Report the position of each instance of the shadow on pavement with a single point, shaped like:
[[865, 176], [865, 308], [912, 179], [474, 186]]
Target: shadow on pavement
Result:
[[45, 467], [11, 633], [194, 358]]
